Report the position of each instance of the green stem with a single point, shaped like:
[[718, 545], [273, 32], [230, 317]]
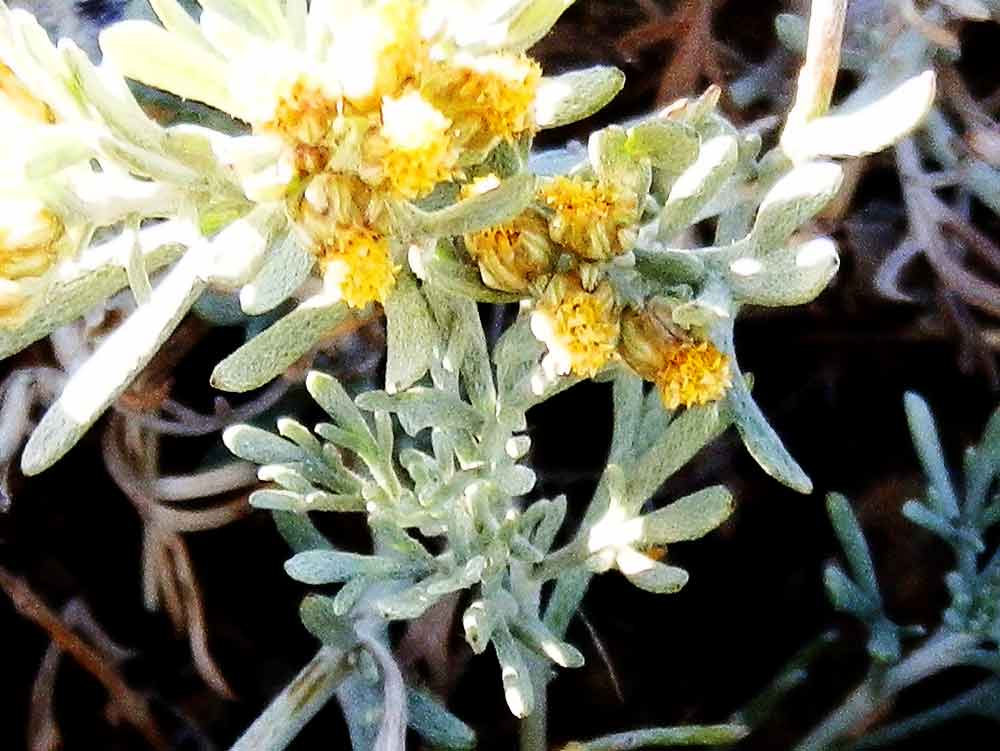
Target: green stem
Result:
[[290, 710], [941, 651], [533, 731], [570, 556], [691, 735]]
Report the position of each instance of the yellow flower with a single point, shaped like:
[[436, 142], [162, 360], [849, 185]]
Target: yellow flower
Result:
[[687, 372], [579, 328], [594, 220], [693, 373], [330, 202], [303, 114], [514, 256], [413, 148], [357, 266], [489, 98], [30, 247]]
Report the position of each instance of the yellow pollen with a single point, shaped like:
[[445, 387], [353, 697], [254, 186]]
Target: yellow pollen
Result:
[[15, 96], [31, 243], [579, 328], [692, 373], [489, 98], [414, 148], [592, 219], [656, 552], [356, 264], [303, 116]]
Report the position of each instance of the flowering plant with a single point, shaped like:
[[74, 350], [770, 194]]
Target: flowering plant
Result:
[[377, 156]]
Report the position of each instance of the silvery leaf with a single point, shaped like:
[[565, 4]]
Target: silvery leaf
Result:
[[576, 95], [270, 353]]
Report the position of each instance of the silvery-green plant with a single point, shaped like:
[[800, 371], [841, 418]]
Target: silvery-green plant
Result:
[[379, 157], [961, 512], [947, 166]]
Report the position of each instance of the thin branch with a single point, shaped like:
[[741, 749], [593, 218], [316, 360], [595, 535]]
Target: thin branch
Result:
[[818, 74], [938, 653], [290, 710], [692, 735], [132, 706]]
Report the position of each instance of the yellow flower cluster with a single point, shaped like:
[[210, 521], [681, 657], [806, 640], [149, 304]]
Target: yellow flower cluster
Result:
[[693, 373], [686, 370], [488, 98], [594, 220], [585, 222], [579, 328], [356, 265], [30, 246], [388, 114], [339, 215], [513, 257]]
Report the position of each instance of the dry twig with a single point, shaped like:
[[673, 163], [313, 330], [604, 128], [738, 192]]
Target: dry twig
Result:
[[129, 705]]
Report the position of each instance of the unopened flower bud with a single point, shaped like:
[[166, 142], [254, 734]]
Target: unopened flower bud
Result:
[[594, 220]]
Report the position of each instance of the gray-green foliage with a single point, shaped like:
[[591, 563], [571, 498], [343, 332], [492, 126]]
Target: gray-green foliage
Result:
[[962, 512], [438, 462], [448, 511]]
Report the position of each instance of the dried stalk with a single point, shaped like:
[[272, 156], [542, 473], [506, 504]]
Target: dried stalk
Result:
[[132, 707]]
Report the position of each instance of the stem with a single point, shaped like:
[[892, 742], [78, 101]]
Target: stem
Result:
[[570, 556], [132, 707], [533, 732], [692, 735], [943, 650], [290, 710], [819, 71]]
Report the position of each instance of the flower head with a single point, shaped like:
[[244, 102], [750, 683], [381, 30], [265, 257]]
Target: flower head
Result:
[[414, 146], [330, 202], [489, 98], [693, 373], [357, 266], [594, 220], [378, 52], [303, 114], [687, 372], [514, 256], [579, 328], [30, 246]]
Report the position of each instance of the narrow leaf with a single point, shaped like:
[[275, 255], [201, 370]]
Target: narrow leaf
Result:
[[284, 270], [412, 335], [270, 353], [109, 371], [931, 454], [689, 518]]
